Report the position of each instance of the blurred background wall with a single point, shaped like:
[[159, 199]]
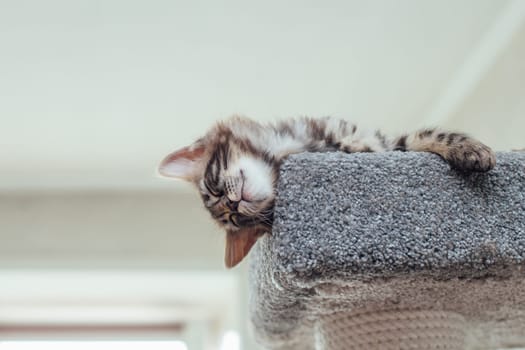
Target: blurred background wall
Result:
[[94, 93]]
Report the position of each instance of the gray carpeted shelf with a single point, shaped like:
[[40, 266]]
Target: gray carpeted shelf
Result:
[[392, 251]]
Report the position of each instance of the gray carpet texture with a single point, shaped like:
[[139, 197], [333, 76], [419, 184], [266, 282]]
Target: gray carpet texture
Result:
[[385, 250]]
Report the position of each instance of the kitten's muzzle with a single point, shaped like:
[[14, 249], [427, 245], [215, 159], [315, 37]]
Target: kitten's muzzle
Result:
[[234, 187]]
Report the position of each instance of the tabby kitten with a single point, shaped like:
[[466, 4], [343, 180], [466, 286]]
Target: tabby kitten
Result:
[[235, 166]]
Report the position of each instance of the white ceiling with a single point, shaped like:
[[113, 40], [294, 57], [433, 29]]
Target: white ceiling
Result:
[[94, 93]]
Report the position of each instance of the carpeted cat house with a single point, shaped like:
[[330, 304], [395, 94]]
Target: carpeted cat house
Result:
[[392, 251]]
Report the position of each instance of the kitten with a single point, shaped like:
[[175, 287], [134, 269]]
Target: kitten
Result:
[[235, 166]]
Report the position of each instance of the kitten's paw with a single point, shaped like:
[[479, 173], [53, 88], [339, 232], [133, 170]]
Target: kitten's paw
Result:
[[471, 155]]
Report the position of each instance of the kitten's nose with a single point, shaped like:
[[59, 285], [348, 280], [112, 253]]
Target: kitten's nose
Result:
[[231, 204]]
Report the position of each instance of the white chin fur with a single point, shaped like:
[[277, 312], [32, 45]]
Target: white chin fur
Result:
[[258, 180]]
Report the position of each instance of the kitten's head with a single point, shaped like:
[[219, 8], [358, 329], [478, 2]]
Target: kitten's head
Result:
[[236, 183]]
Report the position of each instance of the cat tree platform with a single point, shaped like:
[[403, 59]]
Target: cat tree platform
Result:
[[392, 251]]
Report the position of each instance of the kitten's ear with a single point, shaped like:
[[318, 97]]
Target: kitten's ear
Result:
[[183, 163], [239, 243]]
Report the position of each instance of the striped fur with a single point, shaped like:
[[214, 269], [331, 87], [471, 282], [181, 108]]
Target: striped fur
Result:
[[235, 165]]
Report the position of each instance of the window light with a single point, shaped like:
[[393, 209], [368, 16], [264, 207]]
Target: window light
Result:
[[231, 341]]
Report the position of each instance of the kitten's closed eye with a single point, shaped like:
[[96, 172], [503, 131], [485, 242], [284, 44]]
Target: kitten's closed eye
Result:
[[213, 190]]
